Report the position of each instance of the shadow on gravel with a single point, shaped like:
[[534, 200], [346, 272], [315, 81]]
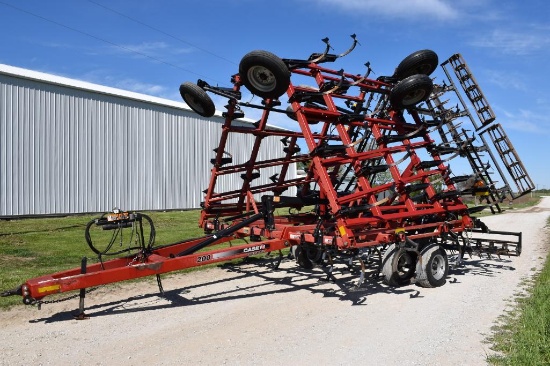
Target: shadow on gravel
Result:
[[342, 284], [483, 267]]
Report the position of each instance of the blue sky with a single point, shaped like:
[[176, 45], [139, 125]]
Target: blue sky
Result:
[[151, 47]]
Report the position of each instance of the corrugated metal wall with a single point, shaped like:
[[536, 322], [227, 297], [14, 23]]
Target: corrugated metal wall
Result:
[[67, 150]]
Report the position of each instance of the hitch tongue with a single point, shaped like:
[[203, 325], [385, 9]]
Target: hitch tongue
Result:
[[16, 291]]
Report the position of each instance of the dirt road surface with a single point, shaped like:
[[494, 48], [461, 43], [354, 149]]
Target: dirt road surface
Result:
[[250, 315]]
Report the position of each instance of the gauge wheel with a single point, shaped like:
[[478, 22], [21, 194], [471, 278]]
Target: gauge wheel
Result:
[[398, 266], [197, 99], [420, 62], [411, 91], [432, 269], [301, 256], [264, 74], [290, 113]]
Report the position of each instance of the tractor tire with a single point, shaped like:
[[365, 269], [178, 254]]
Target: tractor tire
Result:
[[432, 269], [197, 99], [404, 263], [420, 62], [411, 91], [264, 74]]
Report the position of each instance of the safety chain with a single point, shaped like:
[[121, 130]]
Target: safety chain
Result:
[[39, 303]]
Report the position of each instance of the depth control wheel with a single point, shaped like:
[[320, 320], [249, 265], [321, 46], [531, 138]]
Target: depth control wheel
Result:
[[411, 91], [264, 74], [420, 62], [432, 269], [301, 256], [398, 266], [197, 99]]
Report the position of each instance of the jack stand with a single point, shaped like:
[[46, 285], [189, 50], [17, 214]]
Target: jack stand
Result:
[[81, 315]]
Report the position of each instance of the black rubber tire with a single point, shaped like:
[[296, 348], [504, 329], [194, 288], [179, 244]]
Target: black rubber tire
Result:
[[302, 258], [197, 99], [433, 268], [264, 74], [419, 62], [290, 113], [405, 261], [313, 253], [411, 91]]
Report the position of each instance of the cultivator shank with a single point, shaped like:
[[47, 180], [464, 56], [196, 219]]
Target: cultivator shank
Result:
[[375, 189]]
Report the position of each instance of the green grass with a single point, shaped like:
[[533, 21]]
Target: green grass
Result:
[[33, 247], [523, 202], [522, 337], [528, 200]]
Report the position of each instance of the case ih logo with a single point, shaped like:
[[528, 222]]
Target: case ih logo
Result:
[[255, 249]]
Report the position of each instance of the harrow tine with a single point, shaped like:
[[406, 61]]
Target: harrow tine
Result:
[[316, 58], [355, 42]]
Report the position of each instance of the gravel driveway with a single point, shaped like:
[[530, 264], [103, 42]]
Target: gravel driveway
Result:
[[249, 315]]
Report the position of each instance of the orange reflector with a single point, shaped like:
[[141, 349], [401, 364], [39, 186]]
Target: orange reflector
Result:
[[49, 288]]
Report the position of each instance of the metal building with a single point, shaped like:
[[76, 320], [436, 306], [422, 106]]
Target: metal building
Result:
[[68, 146]]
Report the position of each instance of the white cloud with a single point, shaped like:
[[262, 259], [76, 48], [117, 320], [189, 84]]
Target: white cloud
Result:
[[159, 50], [515, 42], [156, 49], [403, 9], [103, 77], [526, 121], [57, 45], [140, 87], [147, 46], [506, 80]]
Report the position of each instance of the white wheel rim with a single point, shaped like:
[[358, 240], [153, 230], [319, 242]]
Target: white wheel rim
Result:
[[437, 267]]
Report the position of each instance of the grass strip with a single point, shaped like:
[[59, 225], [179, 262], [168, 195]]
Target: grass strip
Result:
[[522, 336], [34, 247]]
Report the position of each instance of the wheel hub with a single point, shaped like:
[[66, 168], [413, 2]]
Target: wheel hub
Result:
[[414, 97], [261, 78], [405, 264], [438, 267]]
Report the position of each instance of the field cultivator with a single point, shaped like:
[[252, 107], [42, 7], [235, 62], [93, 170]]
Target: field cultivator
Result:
[[375, 188]]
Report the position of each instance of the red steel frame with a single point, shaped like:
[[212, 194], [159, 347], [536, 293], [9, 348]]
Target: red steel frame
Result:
[[346, 221], [352, 232]]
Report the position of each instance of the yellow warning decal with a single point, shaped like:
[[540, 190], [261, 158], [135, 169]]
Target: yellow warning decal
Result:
[[342, 230], [49, 288], [482, 193]]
